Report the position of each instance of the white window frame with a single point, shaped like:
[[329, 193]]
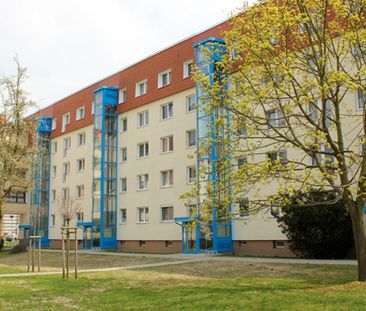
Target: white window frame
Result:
[[123, 217], [167, 144], [145, 149], [53, 195], [67, 145], [122, 94], [360, 98], [65, 170], [65, 193], [169, 178], [244, 213], [188, 143], [190, 179], [142, 182], [81, 142], [169, 109], [53, 220], [65, 121], [78, 162], [187, 72], [161, 213], [124, 155], [80, 191], [138, 90], [144, 213], [80, 113], [277, 121], [188, 106], [53, 171], [54, 124], [143, 118], [279, 244], [54, 147], [124, 125], [123, 182], [164, 78]]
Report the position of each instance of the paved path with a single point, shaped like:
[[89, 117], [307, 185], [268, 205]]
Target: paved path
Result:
[[71, 272], [204, 256]]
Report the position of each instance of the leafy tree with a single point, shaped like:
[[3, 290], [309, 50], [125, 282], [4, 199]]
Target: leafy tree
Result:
[[315, 227], [294, 69], [16, 150]]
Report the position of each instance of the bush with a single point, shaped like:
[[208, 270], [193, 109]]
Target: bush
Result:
[[19, 248], [320, 230]]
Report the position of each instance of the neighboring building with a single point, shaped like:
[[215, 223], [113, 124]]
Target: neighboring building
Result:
[[121, 147]]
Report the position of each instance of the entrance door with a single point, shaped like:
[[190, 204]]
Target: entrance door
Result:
[[189, 238]]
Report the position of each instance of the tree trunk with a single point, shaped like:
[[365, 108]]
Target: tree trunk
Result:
[[359, 234]]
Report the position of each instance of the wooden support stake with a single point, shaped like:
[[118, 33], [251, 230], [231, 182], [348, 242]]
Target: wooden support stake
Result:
[[76, 254], [63, 253]]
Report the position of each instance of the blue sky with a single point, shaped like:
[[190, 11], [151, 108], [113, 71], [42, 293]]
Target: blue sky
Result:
[[68, 44]]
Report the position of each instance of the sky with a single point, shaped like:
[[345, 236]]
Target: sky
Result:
[[69, 44]]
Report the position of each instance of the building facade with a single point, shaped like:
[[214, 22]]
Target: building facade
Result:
[[125, 149]]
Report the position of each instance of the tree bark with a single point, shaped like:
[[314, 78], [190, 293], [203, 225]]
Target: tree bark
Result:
[[359, 233]]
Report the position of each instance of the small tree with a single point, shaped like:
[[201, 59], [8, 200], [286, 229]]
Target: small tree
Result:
[[16, 149], [316, 227], [68, 208]]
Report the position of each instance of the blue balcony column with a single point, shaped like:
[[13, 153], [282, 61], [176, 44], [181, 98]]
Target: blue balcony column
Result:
[[40, 175], [105, 142], [215, 234]]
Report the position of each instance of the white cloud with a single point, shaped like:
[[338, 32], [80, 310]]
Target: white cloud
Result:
[[68, 44]]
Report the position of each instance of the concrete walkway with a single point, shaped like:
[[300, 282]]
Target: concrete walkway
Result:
[[204, 256], [71, 272]]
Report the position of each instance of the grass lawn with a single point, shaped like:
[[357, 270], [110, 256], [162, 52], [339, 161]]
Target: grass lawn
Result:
[[52, 261], [211, 285]]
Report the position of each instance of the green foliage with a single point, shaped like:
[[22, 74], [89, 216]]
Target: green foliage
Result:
[[316, 227]]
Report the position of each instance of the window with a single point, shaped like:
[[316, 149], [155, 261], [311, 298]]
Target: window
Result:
[[143, 118], [141, 88], [191, 174], [244, 207], [124, 125], [187, 68], [65, 193], [123, 184], [191, 138], [80, 165], [92, 105], [362, 144], [142, 181], [67, 145], [361, 96], [80, 191], [143, 150], [275, 119], [80, 113], [167, 111], [53, 219], [278, 156], [164, 78], [243, 243], [53, 171], [192, 210], [278, 244], [167, 178], [122, 96], [65, 121], [53, 195], [142, 243], [54, 123], [167, 213], [241, 161], [65, 170], [327, 154], [124, 154], [80, 216], [167, 144], [191, 103], [123, 215], [81, 139], [143, 214], [168, 244], [54, 147], [358, 50]]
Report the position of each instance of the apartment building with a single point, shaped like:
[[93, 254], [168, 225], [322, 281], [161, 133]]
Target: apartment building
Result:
[[125, 149]]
